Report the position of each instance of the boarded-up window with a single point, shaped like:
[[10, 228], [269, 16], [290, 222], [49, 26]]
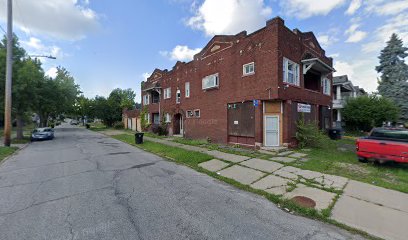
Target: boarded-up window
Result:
[[241, 119]]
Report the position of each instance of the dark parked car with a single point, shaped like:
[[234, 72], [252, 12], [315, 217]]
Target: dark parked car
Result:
[[42, 134]]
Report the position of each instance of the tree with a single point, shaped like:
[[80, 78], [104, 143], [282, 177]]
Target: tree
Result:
[[394, 74], [366, 112], [110, 109], [25, 81]]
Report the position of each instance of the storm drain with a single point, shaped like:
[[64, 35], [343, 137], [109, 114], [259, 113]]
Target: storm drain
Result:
[[304, 201]]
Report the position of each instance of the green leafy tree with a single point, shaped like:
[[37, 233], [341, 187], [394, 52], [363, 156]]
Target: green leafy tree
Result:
[[25, 81], [366, 112], [394, 74]]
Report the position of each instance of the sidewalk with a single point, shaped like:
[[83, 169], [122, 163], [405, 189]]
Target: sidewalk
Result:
[[378, 211]]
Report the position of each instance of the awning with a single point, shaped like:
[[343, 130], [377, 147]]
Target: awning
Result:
[[316, 64]]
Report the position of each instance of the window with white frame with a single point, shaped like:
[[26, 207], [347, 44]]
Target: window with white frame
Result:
[[146, 99], [248, 69], [211, 81], [178, 96], [187, 89], [167, 118], [189, 114], [290, 72], [167, 93], [326, 86], [197, 113]]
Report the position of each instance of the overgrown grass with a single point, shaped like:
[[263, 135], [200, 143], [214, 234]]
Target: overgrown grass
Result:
[[192, 159], [224, 148], [98, 127], [179, 155], [339, 158], [20, 141], [6, 151]]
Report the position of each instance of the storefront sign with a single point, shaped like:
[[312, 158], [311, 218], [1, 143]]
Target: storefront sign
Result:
[[304, 108]]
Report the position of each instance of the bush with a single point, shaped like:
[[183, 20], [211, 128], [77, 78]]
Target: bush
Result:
[[159, 130], [118, 125], [309, 135]]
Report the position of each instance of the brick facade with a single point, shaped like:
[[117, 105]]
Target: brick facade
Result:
[[225, 56]]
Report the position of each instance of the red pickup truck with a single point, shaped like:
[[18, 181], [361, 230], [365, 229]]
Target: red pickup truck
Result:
[[384, 144]]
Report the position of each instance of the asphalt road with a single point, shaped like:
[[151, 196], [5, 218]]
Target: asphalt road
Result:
[[84, 185]]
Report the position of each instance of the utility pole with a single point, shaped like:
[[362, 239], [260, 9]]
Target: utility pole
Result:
[[9, 72]]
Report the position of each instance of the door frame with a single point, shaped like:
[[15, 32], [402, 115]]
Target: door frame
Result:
[[279, 132]]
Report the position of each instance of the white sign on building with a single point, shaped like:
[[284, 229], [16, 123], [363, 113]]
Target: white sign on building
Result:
[[304, 108]]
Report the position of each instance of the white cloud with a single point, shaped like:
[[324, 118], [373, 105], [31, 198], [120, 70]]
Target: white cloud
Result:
[[181, 53], [353, 7], [35, 46], [51, 72], [325, 40], [308, 8], [229, 16], [145, 76], [360, 71], [355, 35], [62, 19], [397, 24], [385, 7]]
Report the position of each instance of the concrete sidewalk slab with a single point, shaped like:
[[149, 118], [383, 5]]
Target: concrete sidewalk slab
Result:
[[270, 181], [277, 190], [213, 165], [374, 219], [242, 174], [378, 195], [283, 159], [322, 198], [298, 155], [286, 174], [285, 153], [262, 165], [227, 156]]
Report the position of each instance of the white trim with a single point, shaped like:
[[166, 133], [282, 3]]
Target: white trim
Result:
[[167, 93], [213, 77], [187, 89], [244, 73], [296, 72], [277, 116]]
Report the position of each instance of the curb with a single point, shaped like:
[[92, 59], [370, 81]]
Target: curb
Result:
[[14, 153]]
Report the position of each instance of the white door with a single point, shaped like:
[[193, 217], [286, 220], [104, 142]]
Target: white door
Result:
[[271, 131], [129, 126]]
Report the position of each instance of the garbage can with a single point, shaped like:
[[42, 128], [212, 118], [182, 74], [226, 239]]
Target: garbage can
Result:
[[87, 125], [335, 133], [139, 138]]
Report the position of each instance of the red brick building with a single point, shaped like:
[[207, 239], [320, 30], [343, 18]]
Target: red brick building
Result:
[[246, 88]]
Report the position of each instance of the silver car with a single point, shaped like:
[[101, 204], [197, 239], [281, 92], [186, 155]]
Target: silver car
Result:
[[42, 134]]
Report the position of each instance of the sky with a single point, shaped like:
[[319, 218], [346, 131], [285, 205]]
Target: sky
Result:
[[108, 44]]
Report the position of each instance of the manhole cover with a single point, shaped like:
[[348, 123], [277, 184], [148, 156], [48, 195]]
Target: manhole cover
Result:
[[304, 201]]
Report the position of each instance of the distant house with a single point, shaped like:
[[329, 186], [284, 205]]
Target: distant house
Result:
[[131, 119], [343, 89], [247, 89]]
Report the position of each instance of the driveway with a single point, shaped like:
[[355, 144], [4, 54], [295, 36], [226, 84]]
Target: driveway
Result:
[[84, 185]]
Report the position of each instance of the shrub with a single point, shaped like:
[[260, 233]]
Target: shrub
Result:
[[309, 135], [118, 125], [159, 129]]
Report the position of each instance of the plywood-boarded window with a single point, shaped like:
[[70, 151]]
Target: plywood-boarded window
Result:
[[241, 119]]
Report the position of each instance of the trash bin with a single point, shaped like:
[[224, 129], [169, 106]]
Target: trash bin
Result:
[[335, 133], [139, 138], [87, 125]]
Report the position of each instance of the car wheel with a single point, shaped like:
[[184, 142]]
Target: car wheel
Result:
[[362, 160]]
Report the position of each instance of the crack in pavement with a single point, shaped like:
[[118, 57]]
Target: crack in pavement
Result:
[[55, 199]]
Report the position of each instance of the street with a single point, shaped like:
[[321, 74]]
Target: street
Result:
[[84, 185]]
